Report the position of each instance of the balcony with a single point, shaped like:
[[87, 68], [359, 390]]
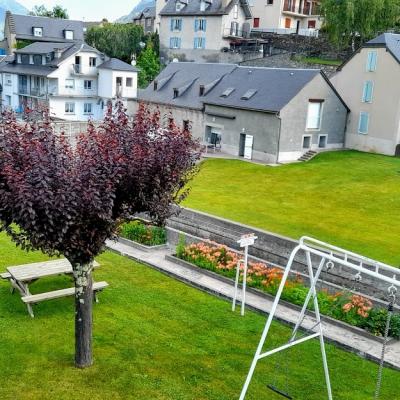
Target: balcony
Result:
[[301, 8], [31, 92], [79, 69], [234, 32]]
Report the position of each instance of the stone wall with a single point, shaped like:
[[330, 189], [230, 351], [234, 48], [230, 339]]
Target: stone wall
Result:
[[273, 248]]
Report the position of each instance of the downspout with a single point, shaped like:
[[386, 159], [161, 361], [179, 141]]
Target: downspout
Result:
[[279, 137]]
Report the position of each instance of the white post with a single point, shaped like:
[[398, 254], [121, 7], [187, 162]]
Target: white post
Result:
[[246, 256], [236, 284]]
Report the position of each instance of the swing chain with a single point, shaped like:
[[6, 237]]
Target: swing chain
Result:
[[392, 299]]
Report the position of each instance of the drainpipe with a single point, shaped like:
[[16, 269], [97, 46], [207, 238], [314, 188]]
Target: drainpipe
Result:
[[279, 137]]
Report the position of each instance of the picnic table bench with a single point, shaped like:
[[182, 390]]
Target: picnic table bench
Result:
[[21, 276]]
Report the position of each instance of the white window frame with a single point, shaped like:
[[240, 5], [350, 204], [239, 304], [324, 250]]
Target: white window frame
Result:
[[69, 107], [200, 42], [175, 44], [92, 62], [359, 123], [70, 84], [37, 31], [86, 108], [177, 24], [321, 110], [130, 80], [69, 35], [86, 84], [363, 99], [202, 24], [302, 142], [235, 11]]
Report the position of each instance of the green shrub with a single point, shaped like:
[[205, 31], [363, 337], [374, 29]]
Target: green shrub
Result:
[[143, 233]]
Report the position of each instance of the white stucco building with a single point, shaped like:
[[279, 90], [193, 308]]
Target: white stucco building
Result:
[[75, 81]]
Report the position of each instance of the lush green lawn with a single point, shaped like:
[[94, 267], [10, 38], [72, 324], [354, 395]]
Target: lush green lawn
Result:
[[156, 338], [320, 61], [347, 198]]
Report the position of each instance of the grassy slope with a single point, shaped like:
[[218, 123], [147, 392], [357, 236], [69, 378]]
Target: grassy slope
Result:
[[350, 199], [155, 338]]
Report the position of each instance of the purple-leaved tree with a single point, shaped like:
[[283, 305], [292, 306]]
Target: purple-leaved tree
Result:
[[67, 200]]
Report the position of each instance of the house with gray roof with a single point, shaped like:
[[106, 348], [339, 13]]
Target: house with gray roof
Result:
[[266, 114], [203, 30], [29, 29], [369, 82], [74, 80], [146, 19]]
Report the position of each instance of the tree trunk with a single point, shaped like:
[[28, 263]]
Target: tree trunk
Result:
[[83, 314]]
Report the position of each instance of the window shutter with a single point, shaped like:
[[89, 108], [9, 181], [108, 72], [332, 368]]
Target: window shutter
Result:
[[204, 25], [196, 25], [367, 95], [363, 123], [371, 61], [203, 43], [179, 24], [172, 24], [195, 43], [179, 43]]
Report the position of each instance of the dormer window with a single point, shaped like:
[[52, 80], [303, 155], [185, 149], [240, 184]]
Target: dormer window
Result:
[[38, 32], [69, 35], [179, 6], [155, 85], [235, 11], [176, 93]]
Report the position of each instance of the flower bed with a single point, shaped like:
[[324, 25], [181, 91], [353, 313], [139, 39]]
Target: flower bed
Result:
[[144, 233], [353, 309]]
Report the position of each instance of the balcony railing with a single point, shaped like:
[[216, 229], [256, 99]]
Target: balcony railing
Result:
[[301, 8], [234, 32], [34, 92], [289, 31], [77, 68]]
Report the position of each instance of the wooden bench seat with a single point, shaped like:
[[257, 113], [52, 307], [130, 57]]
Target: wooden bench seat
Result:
[[55, 294], [5, 275]]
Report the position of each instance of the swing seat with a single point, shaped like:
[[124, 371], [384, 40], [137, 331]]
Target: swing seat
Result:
[[280, 392]]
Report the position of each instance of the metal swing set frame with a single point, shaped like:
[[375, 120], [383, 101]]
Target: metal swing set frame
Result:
[[329, 256]]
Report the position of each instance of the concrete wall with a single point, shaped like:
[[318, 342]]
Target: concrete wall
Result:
[[108, 84], [262, 126], [195, 117], [294, 120], [384, 110]]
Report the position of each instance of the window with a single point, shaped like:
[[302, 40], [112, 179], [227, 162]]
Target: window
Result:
[[92, 61], [199, 43], [201, 90], [176, 24], [363, 123], [148, 22], [179, 6], [234, 28], [69, 108], [367, 92], [24, 59], [200, 24], [314, 114], [176, 93], [270, 2], [87, 108], [306, 142], [175, 43], [371, 61], [288, 23], [38, 32], [8, 80], [37, 59], [88, 85], [186, 125], [235, 11], [311, 24], [256, 22], [129, 82], [69, 84], [155, 85], [202, 5], [69, 35]]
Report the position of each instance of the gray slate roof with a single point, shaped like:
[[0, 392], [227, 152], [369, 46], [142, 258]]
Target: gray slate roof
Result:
[[43, 47], [53, 28], [215, 8], [117, 65], [389, 40], [187, 78], [274, 87], [149, 12]]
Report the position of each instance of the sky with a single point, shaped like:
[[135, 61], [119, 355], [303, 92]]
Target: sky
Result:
[[88, 10]]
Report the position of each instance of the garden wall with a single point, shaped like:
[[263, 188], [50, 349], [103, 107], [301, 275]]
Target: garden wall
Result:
[[273, 248]]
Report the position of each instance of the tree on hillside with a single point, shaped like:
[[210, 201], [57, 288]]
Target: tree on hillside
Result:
[[66, 200], [148, 64], [57, 12], [116, 40], [352, 22]]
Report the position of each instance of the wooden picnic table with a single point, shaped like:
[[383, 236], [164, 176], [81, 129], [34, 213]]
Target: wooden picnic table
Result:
[[21, 276]]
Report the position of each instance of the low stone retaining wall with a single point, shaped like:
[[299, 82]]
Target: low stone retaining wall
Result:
[[270, 247], [140, 246]]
